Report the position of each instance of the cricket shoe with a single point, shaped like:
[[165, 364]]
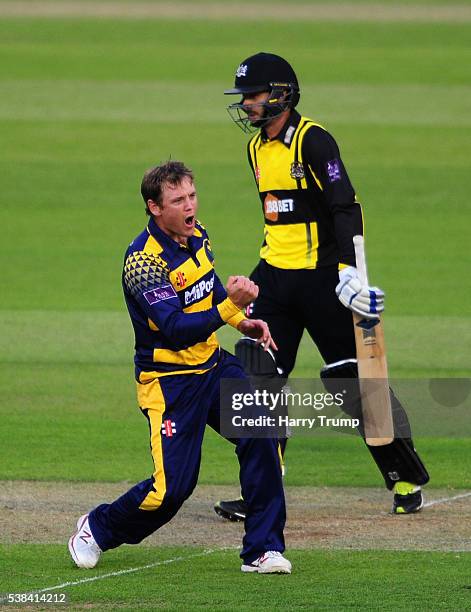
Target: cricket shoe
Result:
[[82, 546], [271, 562], [408, 498], [235, 510]]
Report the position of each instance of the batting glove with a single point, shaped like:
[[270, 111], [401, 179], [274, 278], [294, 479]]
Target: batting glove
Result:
[[366, 301]]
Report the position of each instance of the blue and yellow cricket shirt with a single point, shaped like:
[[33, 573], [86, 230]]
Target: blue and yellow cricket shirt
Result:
[[176, 303]]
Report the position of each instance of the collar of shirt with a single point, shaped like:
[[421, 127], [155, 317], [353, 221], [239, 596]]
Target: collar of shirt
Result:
[[169, 244], [286, 133]]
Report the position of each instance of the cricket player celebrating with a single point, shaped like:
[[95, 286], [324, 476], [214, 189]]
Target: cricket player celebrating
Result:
[[176, 303], [307, 273]]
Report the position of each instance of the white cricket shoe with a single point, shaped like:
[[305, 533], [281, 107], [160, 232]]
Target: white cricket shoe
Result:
[[271, 562], [82, 546]]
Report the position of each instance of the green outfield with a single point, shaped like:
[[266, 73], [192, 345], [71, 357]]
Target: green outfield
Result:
[[343, 580], [86, 105]]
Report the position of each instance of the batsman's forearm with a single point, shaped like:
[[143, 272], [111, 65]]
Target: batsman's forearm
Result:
[[348, 222]]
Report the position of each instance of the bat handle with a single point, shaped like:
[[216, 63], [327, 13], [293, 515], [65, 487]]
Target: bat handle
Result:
[[359, 244]]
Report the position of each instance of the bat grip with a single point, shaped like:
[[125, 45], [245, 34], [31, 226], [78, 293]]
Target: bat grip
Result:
[[359, 244]]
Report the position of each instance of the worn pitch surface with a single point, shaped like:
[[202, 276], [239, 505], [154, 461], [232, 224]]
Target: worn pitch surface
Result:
[[318, 517]]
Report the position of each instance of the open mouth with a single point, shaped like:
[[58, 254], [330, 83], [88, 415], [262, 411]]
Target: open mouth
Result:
[[190, 221]]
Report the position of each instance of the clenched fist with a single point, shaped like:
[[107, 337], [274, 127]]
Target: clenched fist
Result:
[[241, 290]]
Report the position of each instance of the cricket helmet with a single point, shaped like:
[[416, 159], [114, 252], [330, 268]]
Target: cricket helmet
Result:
[[264, 72]]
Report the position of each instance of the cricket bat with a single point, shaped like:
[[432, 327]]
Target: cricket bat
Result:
[[372, 367]]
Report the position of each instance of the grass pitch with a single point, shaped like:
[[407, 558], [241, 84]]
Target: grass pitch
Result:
[[85, 106], [345, 580]]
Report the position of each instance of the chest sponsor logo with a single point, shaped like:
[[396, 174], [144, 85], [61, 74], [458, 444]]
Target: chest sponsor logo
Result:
[[333, 170], [158, 295], [273, 207], [297, 170], [199, 291]]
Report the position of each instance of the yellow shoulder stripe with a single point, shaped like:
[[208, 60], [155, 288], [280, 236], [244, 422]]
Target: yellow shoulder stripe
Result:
[[152, 246], [309, 123]]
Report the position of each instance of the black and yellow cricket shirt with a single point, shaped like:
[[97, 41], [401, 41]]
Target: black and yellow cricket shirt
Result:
[[176, 303], [309, 205]]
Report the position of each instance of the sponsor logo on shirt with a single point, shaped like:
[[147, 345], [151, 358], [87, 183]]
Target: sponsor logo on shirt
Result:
[[289, 135], [273, 207], [158, 295], [333, 170], [199, 291]]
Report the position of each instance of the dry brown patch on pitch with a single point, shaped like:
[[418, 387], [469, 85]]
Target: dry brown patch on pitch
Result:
[[331, 518], [47, 512], [348, 11], [358, 518]]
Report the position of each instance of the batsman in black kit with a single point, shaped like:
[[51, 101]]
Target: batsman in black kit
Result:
[[307, 270]]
